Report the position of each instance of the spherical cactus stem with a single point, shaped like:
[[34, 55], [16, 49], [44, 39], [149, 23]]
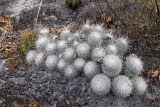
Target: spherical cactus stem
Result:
[[122, 86], [101, 84]]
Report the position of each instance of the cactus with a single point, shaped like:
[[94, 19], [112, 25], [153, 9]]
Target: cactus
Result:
[[122, 86], [52, 62], [65, 34], [30, 57], [83, 50], [112, 65], [140, 85], [98, 28], [69, 54], [98, 54], [86, 29], [95, 39], [70, 71], [94, 52], [75, 44], [62, 45], [62, 64], [44, 32], [91, 68], [122, 45], [39, 59], [101, 84], [51, 48], [79, 64], [42, 42], [111, 49], [133, 66]]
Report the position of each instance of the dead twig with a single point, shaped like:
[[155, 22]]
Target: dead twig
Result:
[[157, 7], [39, 8]]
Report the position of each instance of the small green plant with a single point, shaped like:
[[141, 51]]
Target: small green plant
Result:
[[26, 40], [73, 4]]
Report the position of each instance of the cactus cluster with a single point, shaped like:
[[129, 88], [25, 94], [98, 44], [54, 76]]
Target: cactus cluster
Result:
[[95, 52]]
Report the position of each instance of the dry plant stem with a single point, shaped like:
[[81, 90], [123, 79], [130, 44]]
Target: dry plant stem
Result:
[[39, 8], [115, 14], [157, 7]]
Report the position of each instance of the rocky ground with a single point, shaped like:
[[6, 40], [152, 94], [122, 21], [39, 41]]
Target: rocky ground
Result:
[[33, 86]]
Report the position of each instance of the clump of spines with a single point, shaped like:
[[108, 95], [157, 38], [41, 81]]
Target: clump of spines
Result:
[[94, 52]]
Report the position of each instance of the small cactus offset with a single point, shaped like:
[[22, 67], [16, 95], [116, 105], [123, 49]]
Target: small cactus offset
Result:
[[89, 53]]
